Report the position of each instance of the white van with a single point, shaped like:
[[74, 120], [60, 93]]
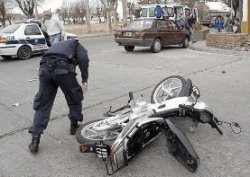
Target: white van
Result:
[[172, 11]]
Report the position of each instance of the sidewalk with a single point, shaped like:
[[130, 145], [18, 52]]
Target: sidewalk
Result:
[[201, 46]]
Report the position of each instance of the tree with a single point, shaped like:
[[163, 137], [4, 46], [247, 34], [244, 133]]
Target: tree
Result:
[[236, 5], [2, 12], [27, 6], [109, 5], [5, 7], [88, 15]]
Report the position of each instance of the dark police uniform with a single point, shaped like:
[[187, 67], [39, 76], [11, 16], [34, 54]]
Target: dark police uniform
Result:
[[57, 69]]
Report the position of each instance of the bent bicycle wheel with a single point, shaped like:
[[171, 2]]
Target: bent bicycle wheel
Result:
[[168, 88], [87, 133]]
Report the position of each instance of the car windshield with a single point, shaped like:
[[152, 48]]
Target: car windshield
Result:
[[10, 29], [140, 25]]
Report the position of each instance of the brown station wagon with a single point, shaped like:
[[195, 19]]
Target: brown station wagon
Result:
[[154, 33]]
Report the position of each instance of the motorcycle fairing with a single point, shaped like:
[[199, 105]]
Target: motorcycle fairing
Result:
[[180, 147], [132, 142]]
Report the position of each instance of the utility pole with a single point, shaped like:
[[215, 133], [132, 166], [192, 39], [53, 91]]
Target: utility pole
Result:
[[88, 16], [36, 11]]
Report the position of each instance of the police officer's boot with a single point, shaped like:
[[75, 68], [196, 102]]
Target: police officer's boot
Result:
[[73, 126], [34, 145]]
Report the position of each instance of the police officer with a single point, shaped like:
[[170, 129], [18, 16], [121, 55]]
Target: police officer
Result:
[[57, 69]]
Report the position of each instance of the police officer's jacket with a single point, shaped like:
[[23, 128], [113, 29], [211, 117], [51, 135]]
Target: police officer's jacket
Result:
[[72, 52]]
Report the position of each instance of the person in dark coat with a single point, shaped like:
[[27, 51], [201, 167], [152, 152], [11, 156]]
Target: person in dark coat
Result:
[[57, 69]]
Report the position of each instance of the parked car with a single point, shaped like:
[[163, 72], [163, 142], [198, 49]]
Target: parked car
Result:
[[23, 40], [154, 33]]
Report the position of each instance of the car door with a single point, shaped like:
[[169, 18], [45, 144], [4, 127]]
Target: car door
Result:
[[35, 37], [177, 34], [164, 32]]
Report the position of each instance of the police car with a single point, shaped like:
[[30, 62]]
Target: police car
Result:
[[23, 40]]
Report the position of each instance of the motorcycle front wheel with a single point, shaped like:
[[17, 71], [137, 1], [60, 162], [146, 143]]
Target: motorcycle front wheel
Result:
[[168, 88], [87, 134]]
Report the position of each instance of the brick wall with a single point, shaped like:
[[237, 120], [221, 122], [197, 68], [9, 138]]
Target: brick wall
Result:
[[201, 34], [227, 40]]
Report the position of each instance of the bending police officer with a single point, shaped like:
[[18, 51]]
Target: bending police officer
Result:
[[57, 69]]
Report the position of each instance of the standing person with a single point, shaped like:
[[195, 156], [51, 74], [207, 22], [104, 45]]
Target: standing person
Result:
[[54, 27], [236, 25], [228, 24], [57, 69], [189, 22], [219, 23]]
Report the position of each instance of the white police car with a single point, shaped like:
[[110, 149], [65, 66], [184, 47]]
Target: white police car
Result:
[[23, 40]]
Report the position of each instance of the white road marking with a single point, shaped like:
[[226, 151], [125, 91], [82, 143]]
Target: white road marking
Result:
[[3, 82]]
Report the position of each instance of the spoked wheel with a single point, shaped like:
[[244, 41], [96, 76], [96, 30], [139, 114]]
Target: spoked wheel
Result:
[[170, 87], [87, 133]]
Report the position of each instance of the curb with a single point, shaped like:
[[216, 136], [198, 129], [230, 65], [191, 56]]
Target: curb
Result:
[[91, 35], [204, 48]]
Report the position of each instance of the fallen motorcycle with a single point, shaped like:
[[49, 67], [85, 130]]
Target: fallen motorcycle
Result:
[[127, 130]]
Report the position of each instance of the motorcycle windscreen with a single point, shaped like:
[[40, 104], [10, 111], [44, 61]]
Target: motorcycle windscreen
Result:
[[180, 147]]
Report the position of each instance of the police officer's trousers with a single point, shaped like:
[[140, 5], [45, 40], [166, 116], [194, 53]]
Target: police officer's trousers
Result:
[[43, 101]]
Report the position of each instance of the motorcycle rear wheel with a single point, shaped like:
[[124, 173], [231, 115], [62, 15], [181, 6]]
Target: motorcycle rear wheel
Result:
[[168, 88], [86, 134]]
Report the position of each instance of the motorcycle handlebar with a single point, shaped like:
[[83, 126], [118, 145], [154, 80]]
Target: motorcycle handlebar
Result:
[[218, 129], [213, 123]]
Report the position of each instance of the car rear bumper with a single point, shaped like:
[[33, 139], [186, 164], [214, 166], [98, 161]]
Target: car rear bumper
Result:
[[8, 50], [134, 42]]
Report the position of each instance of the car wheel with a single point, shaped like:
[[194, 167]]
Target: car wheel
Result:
[[129, 48], [156, 46], [24, 52], [185, 43], [6, 57]]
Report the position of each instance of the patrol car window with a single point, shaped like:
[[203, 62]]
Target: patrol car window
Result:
[[10, 29], [32, 30]]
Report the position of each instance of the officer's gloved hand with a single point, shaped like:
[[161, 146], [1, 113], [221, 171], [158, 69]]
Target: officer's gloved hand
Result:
[[84, 87]]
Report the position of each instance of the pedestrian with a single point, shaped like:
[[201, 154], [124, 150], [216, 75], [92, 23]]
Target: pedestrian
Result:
[[228, 24], [219, 23], [189, 23], [236, 25], [54, 27], [57, 69]]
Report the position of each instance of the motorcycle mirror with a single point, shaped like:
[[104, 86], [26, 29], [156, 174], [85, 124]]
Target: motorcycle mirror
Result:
[[196, 92]]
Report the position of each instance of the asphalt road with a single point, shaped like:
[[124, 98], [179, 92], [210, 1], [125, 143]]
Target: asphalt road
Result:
[[222, 79]]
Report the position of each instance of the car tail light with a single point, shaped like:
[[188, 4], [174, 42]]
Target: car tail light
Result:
[[118, 34], [142, 34], [3, 40], [137, 34]]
